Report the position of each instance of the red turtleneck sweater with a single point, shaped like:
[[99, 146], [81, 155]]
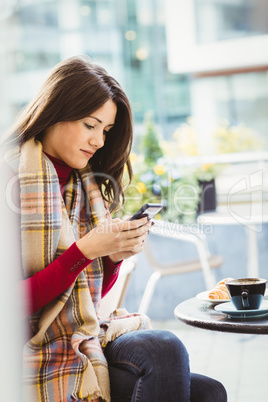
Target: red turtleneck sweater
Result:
[[49, 283]]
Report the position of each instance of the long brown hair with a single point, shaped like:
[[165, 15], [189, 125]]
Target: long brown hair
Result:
[[75, 89]]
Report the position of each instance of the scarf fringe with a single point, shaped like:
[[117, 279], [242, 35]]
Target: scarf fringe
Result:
[[120, 322]]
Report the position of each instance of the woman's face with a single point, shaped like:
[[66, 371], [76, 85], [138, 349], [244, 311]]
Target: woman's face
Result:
[[75, 142]]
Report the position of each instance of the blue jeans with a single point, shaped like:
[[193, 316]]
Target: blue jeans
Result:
[[153, 366]]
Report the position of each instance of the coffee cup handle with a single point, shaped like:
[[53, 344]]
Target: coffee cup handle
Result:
[[244, 295]]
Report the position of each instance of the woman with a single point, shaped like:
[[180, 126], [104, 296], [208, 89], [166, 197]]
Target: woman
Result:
[[69, 149]]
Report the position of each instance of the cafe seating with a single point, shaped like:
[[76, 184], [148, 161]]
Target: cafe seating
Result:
[[205, 261]]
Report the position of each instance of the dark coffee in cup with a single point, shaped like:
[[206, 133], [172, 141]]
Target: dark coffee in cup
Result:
[[246, 293]]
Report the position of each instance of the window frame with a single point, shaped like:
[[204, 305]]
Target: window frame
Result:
[[185, 55]]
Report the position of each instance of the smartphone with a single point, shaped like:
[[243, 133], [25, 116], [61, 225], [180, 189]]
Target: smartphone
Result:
[[149, 210]]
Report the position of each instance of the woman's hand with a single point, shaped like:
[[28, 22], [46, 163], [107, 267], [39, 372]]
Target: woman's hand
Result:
[[116, 238]]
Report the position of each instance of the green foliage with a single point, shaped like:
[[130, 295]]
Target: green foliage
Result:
[[238, 138], [151, 147], [158, 176], [179, 195]]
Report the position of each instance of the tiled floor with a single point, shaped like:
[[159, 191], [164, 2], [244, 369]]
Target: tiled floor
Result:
[[240, 362]]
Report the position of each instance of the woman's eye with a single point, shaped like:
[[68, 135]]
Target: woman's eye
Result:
[[89, 126], [109, 131]]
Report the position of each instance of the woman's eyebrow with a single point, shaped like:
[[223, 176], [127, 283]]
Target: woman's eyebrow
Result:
[[98, 120]]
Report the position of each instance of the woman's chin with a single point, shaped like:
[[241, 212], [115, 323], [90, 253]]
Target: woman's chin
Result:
[[79, 164]]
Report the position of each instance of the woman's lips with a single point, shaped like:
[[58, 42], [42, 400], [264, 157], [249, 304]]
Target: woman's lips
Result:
[[88, 154]]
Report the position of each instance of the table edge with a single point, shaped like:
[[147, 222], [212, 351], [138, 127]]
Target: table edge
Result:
[[219, 326]]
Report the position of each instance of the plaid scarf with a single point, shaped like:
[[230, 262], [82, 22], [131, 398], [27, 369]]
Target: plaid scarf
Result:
[[64, 360]]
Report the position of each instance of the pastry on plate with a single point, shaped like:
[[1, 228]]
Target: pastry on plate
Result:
[[220, 291]]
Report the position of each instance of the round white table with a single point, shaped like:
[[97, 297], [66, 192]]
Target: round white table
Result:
[[200, 314]]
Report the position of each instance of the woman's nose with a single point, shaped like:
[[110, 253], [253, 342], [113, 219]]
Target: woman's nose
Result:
[[97, 140]]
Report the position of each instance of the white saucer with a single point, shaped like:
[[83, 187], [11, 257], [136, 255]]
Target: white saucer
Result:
[[231, 311], [204, 297]]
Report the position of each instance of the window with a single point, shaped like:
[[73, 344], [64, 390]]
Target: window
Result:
[[218, 20]]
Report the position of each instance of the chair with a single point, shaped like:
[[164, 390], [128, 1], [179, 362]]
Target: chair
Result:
[[116, 296], [204, 262]]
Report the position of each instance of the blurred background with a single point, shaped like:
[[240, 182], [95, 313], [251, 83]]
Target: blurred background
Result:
[[175, 58], [196, 73]]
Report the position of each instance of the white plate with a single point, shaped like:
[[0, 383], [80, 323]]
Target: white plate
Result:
[[204, 297], [231, 311]]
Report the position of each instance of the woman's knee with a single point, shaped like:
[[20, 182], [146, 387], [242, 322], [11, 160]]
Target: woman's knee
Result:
[[168, 345], [162, 356], [149, 345], [157, 358]]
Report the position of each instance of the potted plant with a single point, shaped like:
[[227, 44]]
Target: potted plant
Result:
[[157, 179], [184, 190], [226, 138]]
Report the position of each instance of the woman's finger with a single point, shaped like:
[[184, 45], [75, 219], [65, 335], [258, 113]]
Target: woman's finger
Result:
[[139, 231], [134, 242], [132, 225]]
